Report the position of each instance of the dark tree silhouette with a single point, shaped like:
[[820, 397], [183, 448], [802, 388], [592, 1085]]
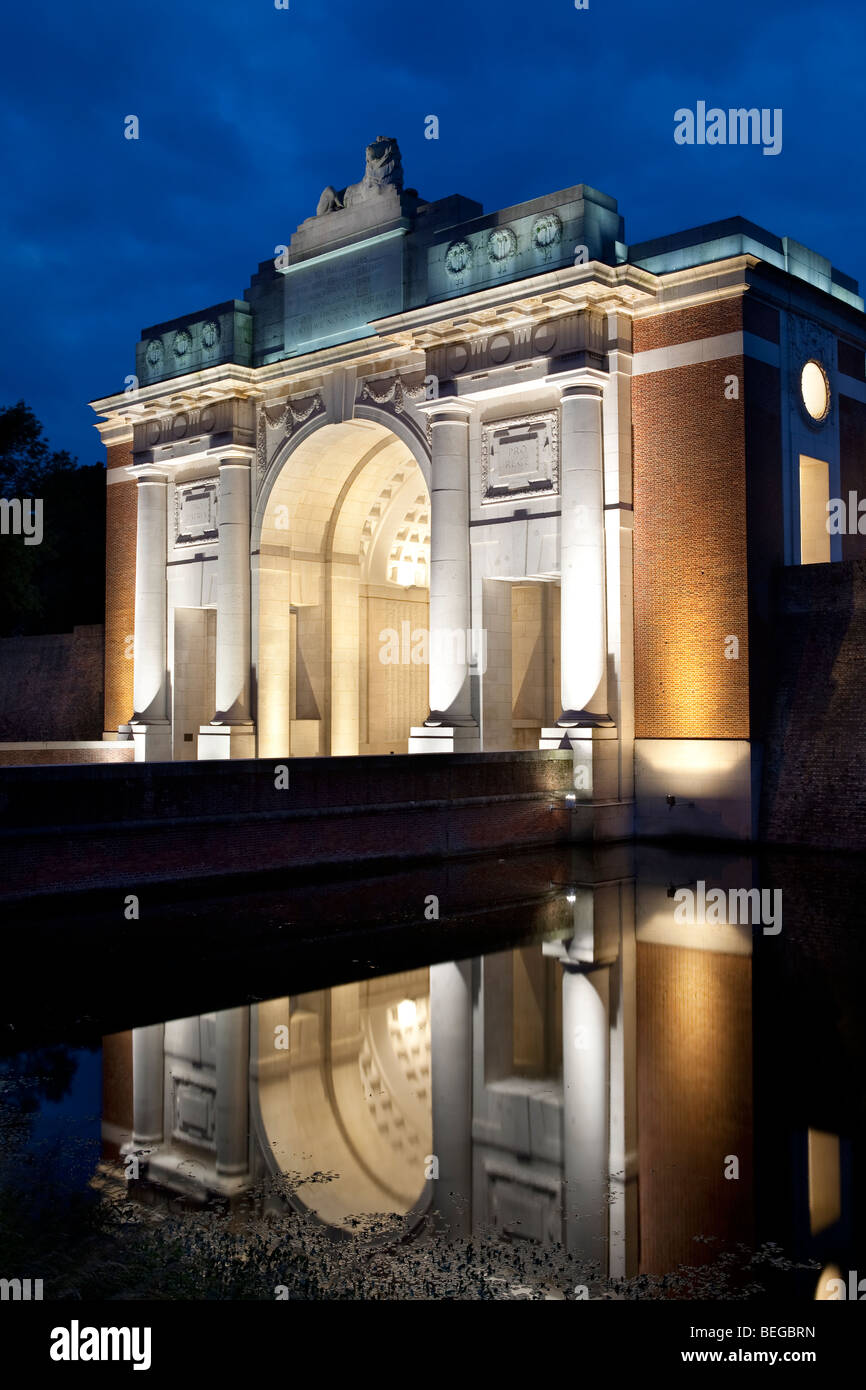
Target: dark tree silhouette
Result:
[[61, 582]]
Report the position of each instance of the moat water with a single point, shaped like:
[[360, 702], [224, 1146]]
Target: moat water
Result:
[[628, 1073]]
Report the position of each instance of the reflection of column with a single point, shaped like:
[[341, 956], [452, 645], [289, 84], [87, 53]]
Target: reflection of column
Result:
[[148, 1067], [583, 636], [232, 1091], [585, 1111], [451, 1087], [231, 733], [151, 730], [450, 588]]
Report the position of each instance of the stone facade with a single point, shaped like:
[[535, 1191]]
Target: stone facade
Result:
[[455, 481]]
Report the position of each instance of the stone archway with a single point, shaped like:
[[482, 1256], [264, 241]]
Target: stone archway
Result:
[[341, 547]]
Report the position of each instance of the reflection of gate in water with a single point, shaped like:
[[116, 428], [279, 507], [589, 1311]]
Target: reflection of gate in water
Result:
[[349, 1094]]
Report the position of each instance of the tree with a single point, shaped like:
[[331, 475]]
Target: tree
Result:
[[52, 586]]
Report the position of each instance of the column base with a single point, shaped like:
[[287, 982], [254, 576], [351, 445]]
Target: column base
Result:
[[225, 741], [583, 719], [596, 760], [152, 741], [445, 738], [160, 1165]]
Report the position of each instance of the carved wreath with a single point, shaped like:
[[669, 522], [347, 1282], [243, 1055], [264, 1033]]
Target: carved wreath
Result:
[[501, 244], [547, 231], [457, 257]]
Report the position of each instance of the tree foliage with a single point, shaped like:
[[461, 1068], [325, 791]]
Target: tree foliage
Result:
[[59, 583]]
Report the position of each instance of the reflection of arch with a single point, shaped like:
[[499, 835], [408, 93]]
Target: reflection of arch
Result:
[[327, 528], [350, 1095]]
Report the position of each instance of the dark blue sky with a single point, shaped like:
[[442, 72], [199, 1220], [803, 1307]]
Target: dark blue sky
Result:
[[246, 112]]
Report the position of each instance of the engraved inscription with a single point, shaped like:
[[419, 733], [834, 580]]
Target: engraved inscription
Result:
[[326, 301], [520, 458]]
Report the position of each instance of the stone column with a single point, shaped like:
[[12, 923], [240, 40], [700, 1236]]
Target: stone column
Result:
[[585, 1131], [232, 1091], [148, 1069], [451, 1090], [231, 733], [450, 721], [151, 729], [584, 639]]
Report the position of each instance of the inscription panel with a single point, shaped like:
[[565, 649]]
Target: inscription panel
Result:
[[520, 457], [196, 513], [334, 299]]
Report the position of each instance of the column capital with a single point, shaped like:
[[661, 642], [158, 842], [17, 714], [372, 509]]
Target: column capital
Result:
[[582, 381], [235, 458], [449, 408], [149, 472]]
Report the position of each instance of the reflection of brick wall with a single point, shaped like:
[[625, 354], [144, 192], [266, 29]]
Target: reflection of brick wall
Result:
[[120, 522], [116, 1090], [690, 535], [694, 1057]]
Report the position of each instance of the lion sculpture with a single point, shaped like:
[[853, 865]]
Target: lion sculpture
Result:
[[384, 169]]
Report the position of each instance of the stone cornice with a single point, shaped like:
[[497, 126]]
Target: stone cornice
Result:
[[700, 284], [534, 299]]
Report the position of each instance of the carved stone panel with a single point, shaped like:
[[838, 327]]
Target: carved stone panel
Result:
[[195, 512], [184, 428], [193, 1112], [809, 341], [520, 457]]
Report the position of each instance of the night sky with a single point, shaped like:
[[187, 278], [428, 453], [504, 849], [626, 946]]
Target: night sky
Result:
[[246, 112]]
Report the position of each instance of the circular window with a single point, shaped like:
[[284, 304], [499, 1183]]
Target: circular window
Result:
[[815, 390]]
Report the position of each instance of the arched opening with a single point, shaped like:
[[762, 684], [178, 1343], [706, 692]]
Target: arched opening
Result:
[[343, 583]]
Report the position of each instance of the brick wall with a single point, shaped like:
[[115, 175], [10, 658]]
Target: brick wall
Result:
[[53, 754], [852, 460], [120, 524], [814, 791], [51, 685], [77, 826], [690, 535]]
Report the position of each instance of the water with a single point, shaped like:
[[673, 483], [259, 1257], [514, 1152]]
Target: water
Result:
[[558, 1075]]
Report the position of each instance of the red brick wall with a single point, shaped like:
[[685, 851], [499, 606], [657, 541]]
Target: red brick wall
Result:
[[688, 325], [690, 535], [813, 786], [120, 752], [120, 523]]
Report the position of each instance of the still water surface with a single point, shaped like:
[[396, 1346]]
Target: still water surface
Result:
[[552, 1075]]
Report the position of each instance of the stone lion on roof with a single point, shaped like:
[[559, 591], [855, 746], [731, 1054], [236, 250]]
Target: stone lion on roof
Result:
[[384, 169]]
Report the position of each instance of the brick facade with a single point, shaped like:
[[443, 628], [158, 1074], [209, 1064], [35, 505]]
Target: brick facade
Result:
[[120, 524], [690, 570], [852, 460], [688, 325]]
